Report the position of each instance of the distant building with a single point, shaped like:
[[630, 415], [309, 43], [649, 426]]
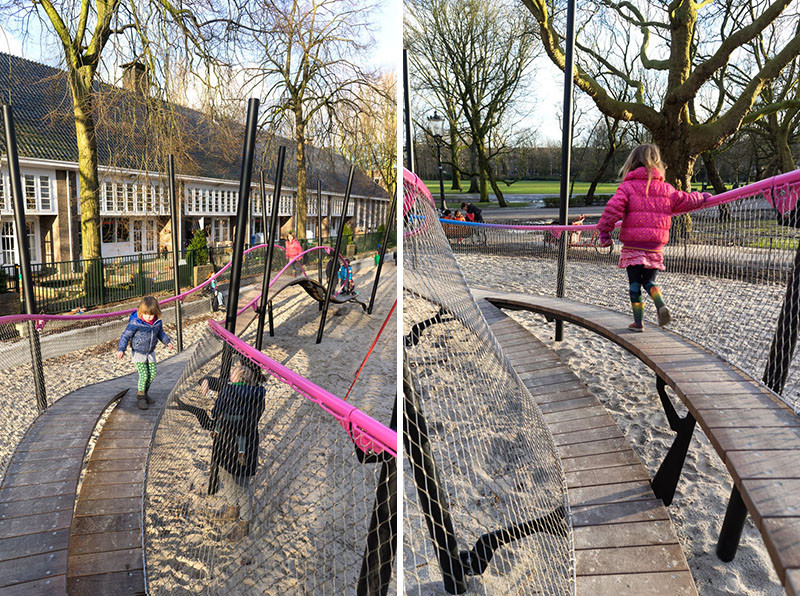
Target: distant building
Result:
[[133, 197]]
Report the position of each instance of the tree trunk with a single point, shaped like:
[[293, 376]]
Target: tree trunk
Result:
[[81, 86], [498, 193], [474, 184], [601, 172], [710, 161], [300, 159], [454, 152]]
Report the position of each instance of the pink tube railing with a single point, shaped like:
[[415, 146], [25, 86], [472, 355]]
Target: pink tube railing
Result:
[[781, 192], [367, 433], [41, 320]]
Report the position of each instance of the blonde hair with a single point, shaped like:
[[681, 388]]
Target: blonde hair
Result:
[[150, 306], [647, 156]]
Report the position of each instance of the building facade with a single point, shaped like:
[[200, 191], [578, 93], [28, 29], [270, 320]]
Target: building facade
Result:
[[134, 205]]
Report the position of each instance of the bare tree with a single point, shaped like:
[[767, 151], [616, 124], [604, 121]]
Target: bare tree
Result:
[[487, 49], [700, 40], [369, 134], [92, 31], [306, 55]]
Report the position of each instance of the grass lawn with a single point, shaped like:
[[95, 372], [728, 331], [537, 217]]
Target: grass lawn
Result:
[[529, 187]]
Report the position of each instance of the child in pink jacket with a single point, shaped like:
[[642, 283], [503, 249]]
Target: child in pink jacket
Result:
[[645, 204]]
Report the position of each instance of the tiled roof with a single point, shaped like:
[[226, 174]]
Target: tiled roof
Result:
[[127, 136]]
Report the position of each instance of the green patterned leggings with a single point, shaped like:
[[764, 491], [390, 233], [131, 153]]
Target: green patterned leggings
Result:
[[147, 374]]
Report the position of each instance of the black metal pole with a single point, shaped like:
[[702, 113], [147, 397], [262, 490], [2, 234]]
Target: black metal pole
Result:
[[24, 253], [338, 245], [566, 156], [379, 552], [441, 174], [273, 225], [410, 165], [784, 341], [174, 207], [241, 231], [389, 222], [319, 231], [432, 498]]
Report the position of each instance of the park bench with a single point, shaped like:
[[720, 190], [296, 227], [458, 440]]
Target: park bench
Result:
[[624, 540], [755, 434]]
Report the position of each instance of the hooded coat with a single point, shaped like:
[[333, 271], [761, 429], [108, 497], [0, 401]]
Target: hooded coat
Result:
[[142, 336], [646, 213]]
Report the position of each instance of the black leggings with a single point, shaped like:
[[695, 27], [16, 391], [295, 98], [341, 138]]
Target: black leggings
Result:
[[638, 278]]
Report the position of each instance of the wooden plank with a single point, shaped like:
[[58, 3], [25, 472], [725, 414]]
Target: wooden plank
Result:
[[782, 537], [574, 414], [130, 476], [108, 584], [81, 544], [637, 584], [732, 401], [113, 491], [619, 492], [568, 404], [619, 513], [752, 418], [68, 472], [131, 453], [108, 506], [645, 533], [37, 491], [764, 464], [31, 568], [793, 582], [600, 461], [121, 466], [36, 524], [584, 424], [106, 523], [751, 439], [33, 544], [54, 585], [554, 396], [630, 559], [771, 498], [106, 562], [586, 436], [627, 473], [594, 447], [23, 457], [10, 509]]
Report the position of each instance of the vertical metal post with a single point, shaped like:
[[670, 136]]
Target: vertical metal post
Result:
[[443, 205], [335, 257], [410, 162], [784, 341], [141, 274], [319, 231], [379, 552], [24, 256], [389, 221], [174, 208], [273, 225], [432, 498], [566, 156], [241, 230]]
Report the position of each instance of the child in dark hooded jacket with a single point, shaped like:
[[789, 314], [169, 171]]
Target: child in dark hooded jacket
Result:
[[143, 332]]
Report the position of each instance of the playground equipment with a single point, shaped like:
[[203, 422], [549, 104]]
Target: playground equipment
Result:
[[485, 497], [743, 237]]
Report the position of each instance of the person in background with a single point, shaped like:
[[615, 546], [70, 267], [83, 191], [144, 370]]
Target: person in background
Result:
[[473, 211], [293, 249]]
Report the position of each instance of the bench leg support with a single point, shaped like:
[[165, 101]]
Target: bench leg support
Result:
[[732, 527], [666, 479]]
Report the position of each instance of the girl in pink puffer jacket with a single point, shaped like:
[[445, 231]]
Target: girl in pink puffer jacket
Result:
[[645, 204]]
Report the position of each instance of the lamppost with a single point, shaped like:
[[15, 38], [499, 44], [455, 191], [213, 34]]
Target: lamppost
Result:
[[437, 126]]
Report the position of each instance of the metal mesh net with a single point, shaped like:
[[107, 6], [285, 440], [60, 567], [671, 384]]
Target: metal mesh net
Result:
[[296, 507], [732, 279], [485, 508]]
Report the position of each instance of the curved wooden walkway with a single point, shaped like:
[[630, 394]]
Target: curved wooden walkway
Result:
[[625, 544], [57, 537], [755, 434]]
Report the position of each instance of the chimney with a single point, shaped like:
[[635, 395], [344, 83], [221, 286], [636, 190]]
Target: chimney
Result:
[[134, 78]]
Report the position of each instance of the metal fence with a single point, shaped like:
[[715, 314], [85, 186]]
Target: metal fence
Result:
[[65, 286]]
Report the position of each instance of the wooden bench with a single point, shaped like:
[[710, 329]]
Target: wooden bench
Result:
[[624, 539], [756, 435]]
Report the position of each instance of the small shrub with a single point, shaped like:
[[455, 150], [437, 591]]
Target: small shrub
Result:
[[199, 248]]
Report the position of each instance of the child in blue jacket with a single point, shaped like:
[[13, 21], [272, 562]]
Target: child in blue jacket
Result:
[[346, 278], [143, 332]]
